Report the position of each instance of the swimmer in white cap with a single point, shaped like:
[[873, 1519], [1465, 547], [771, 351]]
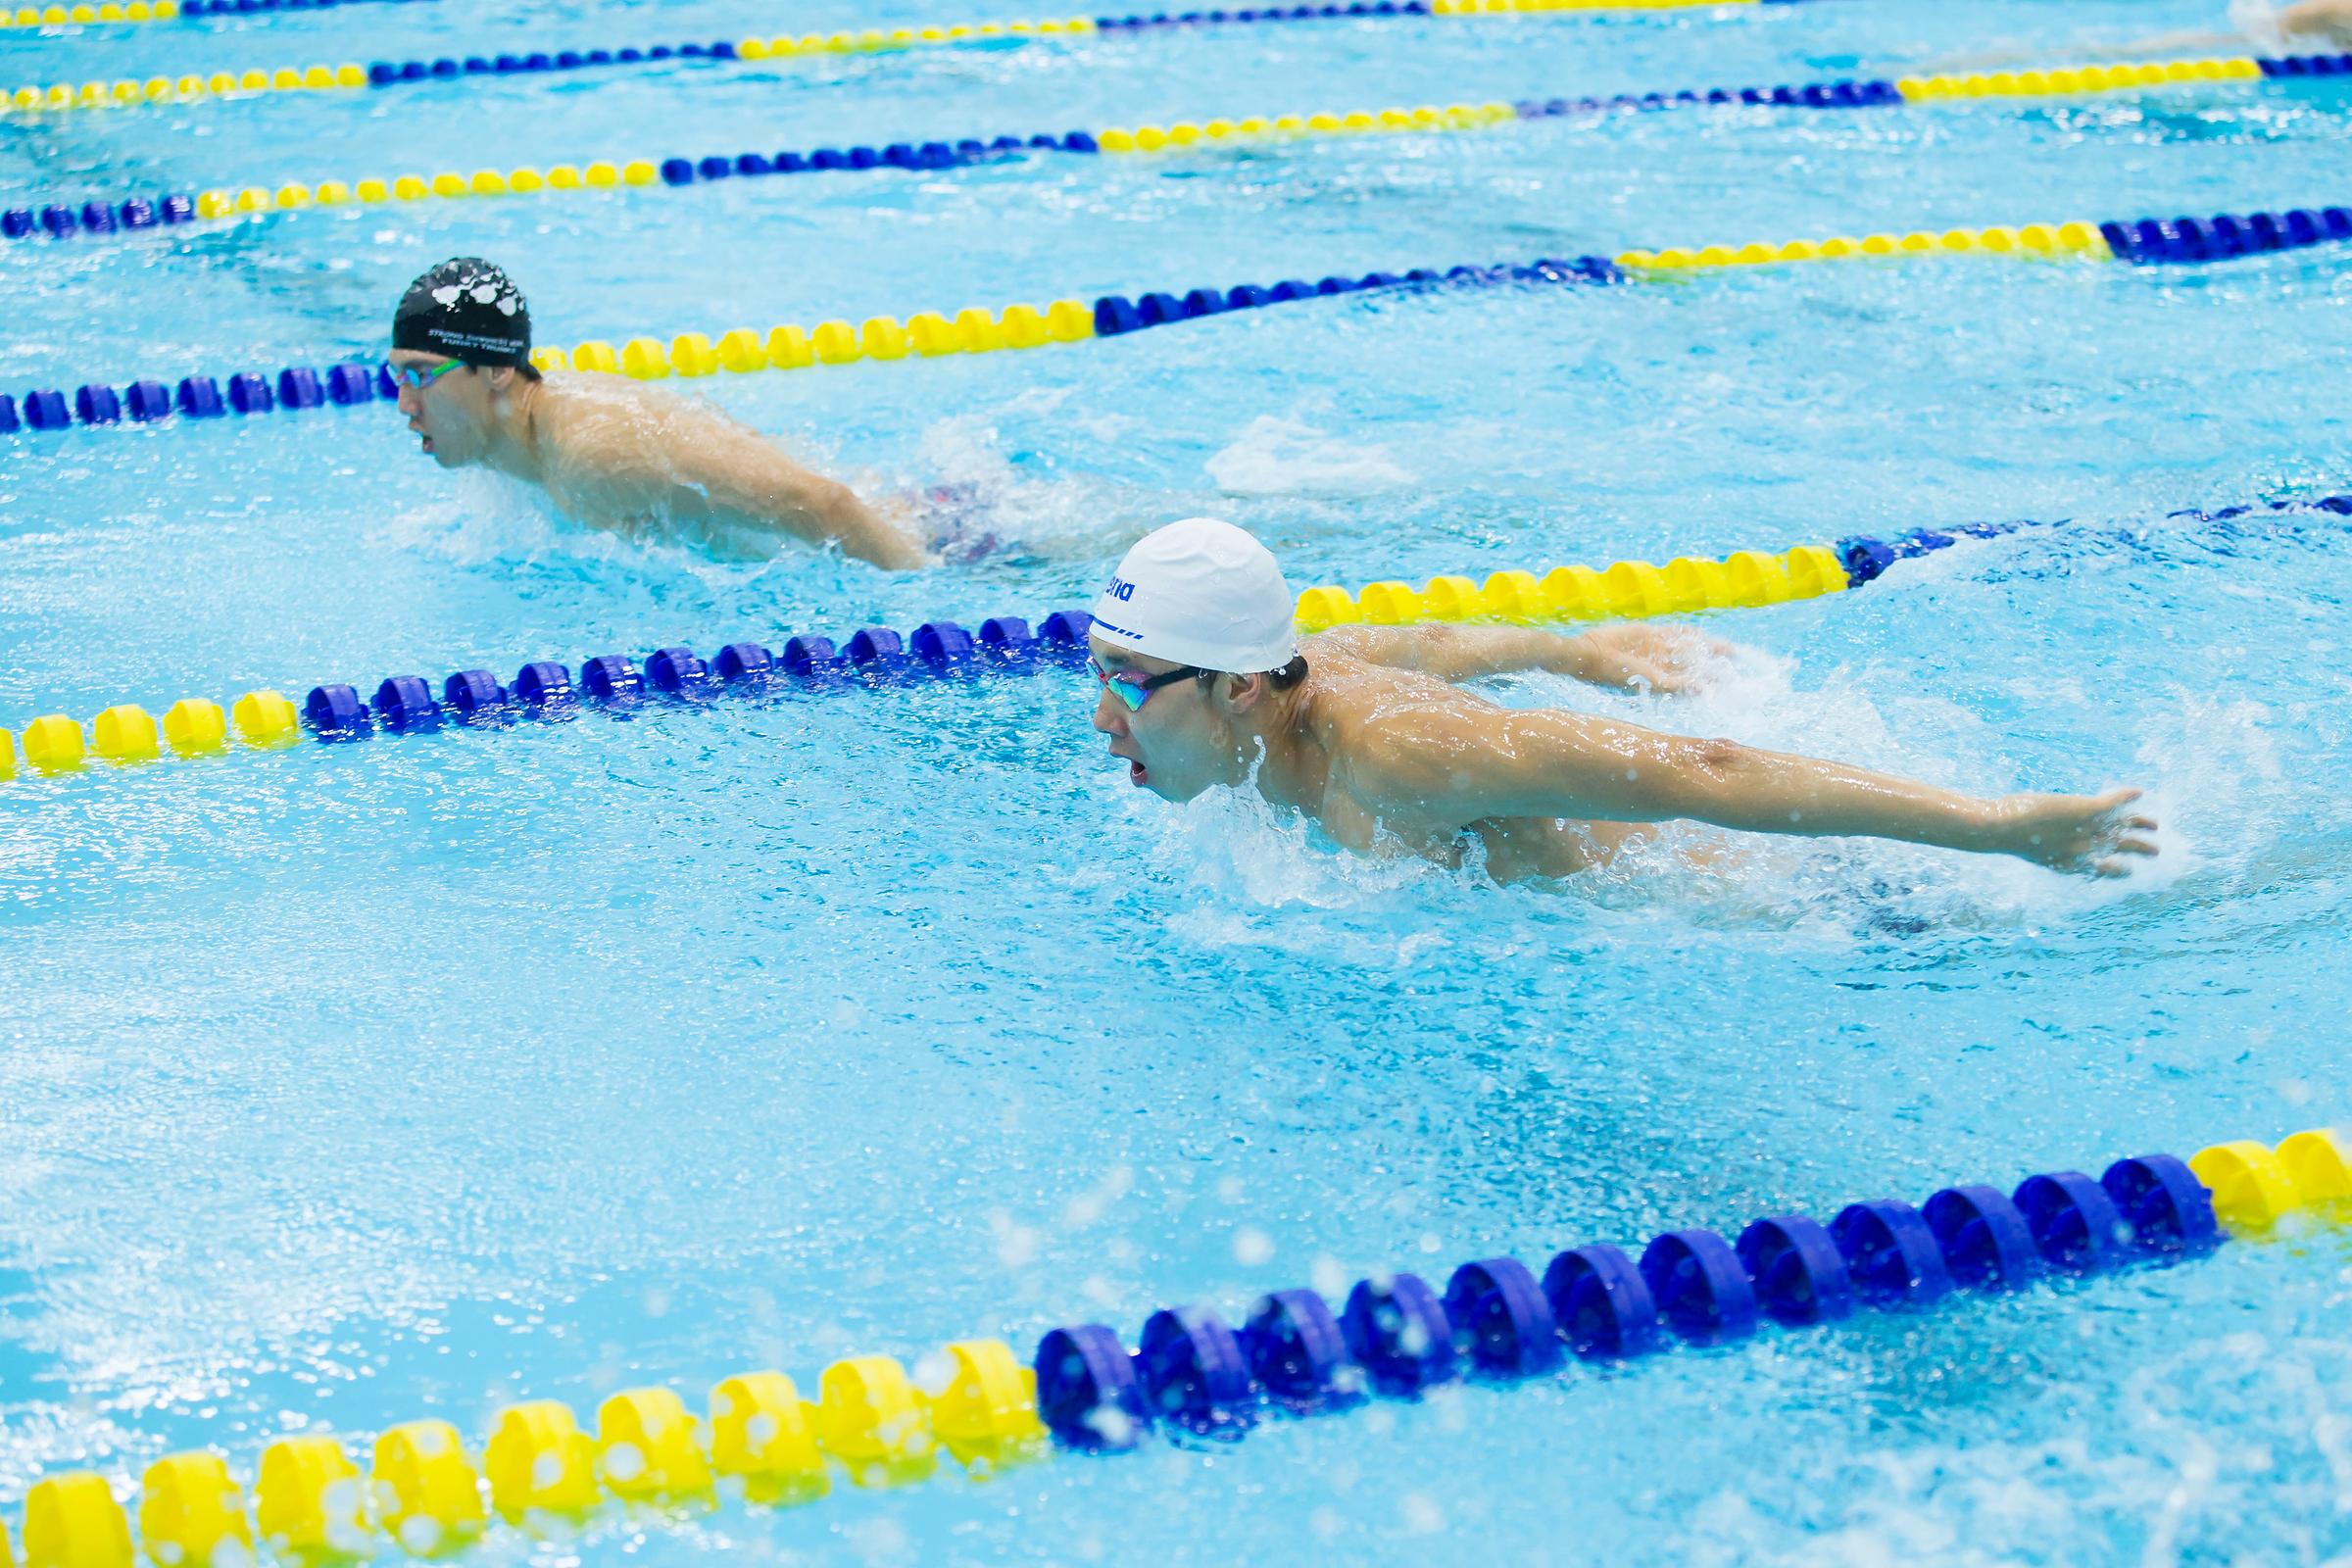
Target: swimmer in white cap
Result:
[[1204, 682], [609, 451], [2301, 26], [2324, 23]]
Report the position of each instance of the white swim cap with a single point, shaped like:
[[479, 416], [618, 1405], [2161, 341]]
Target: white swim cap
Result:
[[1203, 593]]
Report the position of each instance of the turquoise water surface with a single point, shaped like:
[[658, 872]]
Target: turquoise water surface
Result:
[[358, 1083]]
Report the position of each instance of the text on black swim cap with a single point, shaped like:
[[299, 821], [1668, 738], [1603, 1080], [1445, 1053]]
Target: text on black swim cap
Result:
[[467, 309]]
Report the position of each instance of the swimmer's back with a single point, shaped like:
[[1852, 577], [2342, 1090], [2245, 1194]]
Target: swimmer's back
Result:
[[619, 454]]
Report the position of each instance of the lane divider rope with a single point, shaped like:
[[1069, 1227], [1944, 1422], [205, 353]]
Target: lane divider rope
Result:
[[1634, 590], [877, 657], [84, 16], [874, 657], [2130, 76], [385, 73], [62, 220], [872, 39], [1628, 590], [1190, 1375], [1499, 1321], [125, 93], [975, 330]]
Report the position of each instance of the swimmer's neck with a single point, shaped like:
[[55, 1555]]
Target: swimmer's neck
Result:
[[515, 448], [1279, 746]]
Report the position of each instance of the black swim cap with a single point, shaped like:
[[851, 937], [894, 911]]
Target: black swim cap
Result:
[[467, 309]]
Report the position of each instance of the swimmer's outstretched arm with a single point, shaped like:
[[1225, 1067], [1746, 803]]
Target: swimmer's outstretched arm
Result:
[[2321, 21], [738, 477], [1626, 656], [1470, 763], [2330, 20], [660, 455]]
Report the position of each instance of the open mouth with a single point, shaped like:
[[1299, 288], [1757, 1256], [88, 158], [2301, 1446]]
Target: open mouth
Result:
[[1137, 774]]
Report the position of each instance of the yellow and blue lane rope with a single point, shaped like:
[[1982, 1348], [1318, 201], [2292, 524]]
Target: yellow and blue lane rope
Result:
[[841, 41], [849, 41], [674, 171], [872, 1423], [975, 330], [877, 658], [862, 39], [84, 14]]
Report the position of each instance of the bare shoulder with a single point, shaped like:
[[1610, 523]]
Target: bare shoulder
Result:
[[1426, 646], [626, 429], [1376, 644], [1378, 722], [571, 403]]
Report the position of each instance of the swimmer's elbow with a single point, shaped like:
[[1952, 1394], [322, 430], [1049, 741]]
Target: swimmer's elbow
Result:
[[832, 503], [1710, 774], [1716, 756], [826, 511], [1434, 648]]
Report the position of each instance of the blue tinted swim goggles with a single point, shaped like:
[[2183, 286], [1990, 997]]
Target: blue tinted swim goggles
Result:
[[1134, 692]]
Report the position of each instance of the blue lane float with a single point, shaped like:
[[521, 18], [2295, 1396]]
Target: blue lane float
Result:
[[1399, 1337], [1839, 93], [874, 657], [198, 10], [2149, 241], [295, 388], [1244, 16], [1867, 558], [1117, 314], [906, 157], [451, 68]]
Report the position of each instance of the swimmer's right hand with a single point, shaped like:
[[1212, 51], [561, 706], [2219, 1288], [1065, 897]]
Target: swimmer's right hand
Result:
[[2095, 834], [1641, 657]]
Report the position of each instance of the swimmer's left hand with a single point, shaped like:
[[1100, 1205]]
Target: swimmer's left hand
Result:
[[2098, 835]]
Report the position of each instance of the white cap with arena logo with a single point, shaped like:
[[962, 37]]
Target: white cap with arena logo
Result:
[[1204, 593]]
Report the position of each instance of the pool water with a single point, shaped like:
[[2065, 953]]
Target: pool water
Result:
[[358, 1083]]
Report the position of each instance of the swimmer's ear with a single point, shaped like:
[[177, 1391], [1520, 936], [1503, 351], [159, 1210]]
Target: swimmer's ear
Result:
[[502, 377], [1244, 692]]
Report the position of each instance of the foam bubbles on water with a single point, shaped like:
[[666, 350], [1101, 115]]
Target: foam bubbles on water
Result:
[[2258, 19], [1275, 456], [2219, 770], [489, 517]]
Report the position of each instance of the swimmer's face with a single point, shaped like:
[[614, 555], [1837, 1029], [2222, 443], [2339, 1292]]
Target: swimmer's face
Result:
[[454, 414], [1178, 743]]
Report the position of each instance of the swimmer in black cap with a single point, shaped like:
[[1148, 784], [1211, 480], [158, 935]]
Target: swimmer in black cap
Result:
[[610, 451]]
